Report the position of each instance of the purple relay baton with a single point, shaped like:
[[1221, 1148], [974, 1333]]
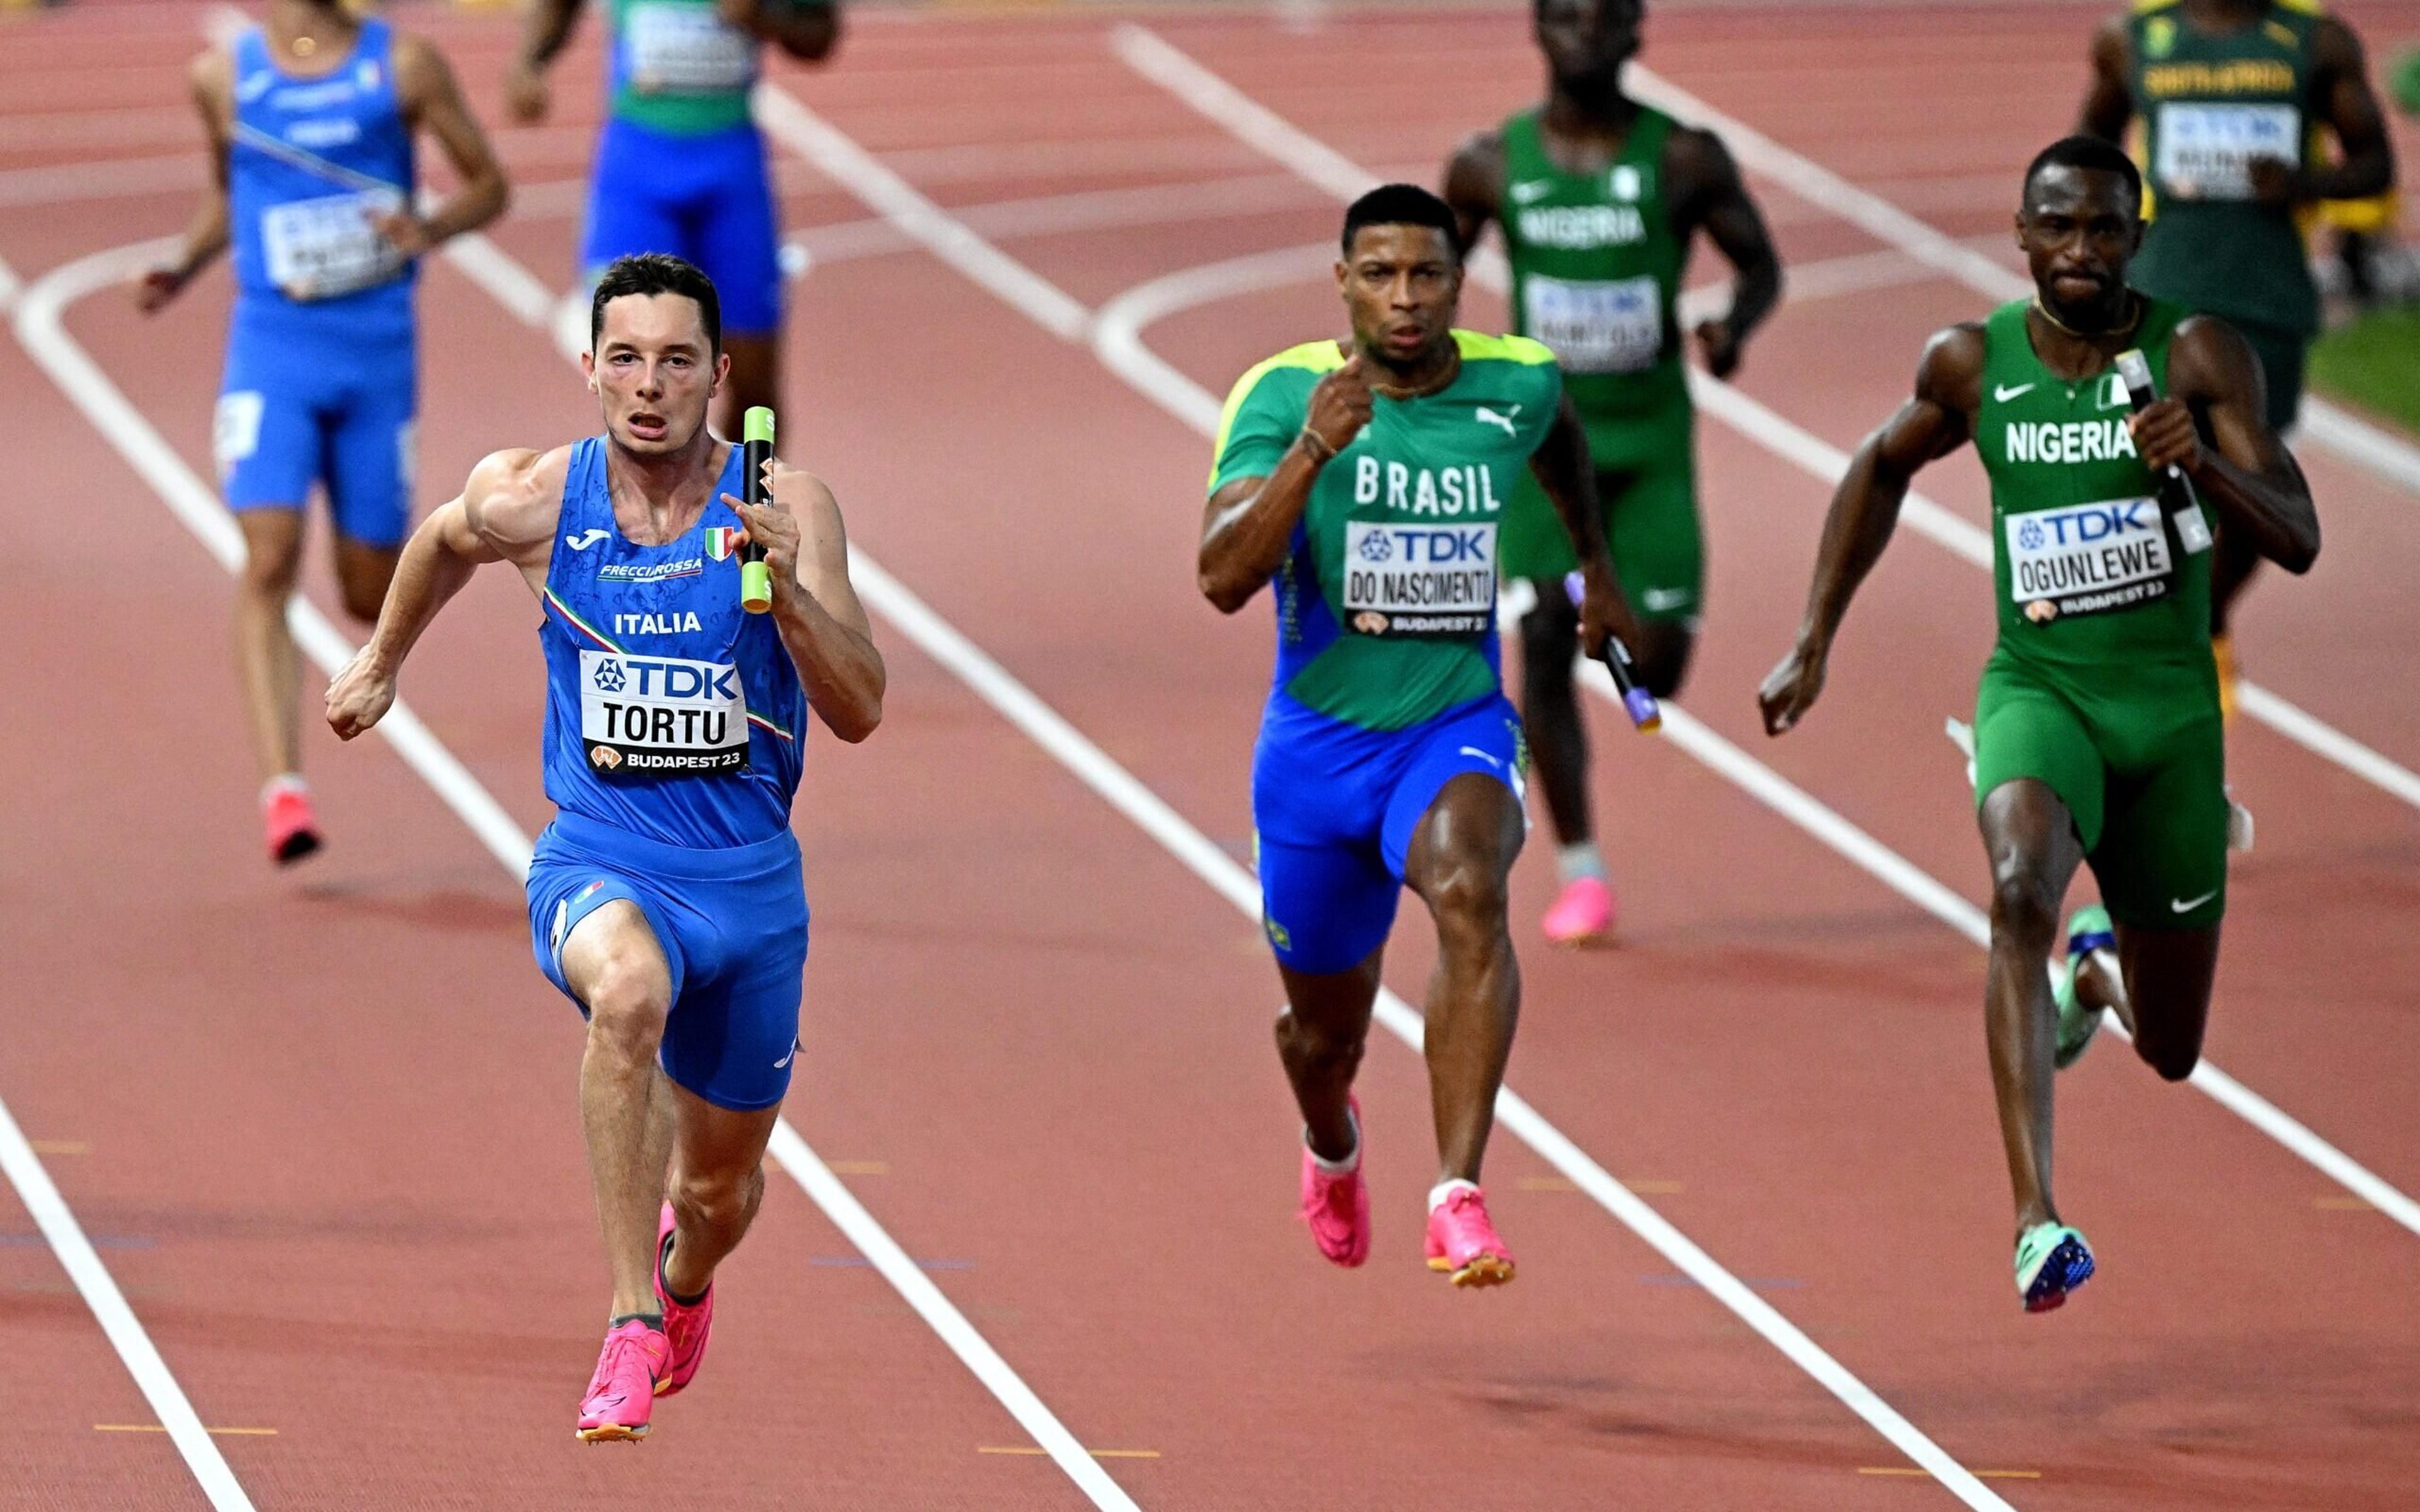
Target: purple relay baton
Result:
[[1638, 702]]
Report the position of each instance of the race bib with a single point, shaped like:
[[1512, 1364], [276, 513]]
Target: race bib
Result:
[[1597, 328], [686, 48], [2206, 152], [318, 249], [643, 717], [2087, 558], [1420, 579]]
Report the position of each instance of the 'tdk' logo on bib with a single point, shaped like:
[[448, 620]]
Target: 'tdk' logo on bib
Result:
[[653, 717]]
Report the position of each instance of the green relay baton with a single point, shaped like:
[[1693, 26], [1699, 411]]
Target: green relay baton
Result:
[[755, 450]]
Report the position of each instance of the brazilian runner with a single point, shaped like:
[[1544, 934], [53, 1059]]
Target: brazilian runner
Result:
[[2236, 98], [1599, 197], [666, 898], [1366, 481], [680, 165], [2097, 727], [312, 119]]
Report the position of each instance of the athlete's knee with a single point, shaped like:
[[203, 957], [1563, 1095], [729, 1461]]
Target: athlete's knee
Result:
[[1469, 896], [1550, 637], [2025, 904], [2172, 1055], [271, 565], [719, 1199], [628, 1000], [1329, 1047], [365, 584], [1663, 658]]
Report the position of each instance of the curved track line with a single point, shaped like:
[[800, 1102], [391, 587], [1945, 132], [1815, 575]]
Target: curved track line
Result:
[[1249, 121], [1317, 161], [39, 330], [855, 167]]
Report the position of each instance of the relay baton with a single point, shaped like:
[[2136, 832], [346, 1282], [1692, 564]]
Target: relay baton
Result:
[[1636, 701], [2176, 494], [755, 450]]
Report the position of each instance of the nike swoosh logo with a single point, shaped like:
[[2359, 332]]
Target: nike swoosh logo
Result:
[[2004, 395], [2186, 905], [1665, 597], [584, 539], [1535, 189], [787, 1056], [1474, 751]]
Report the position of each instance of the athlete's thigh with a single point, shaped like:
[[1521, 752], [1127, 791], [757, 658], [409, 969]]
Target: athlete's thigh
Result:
[[2162, 859], [2025, 729], [632, 200], [1484, 741], [1327, 905], [566, 889], [738, 236], [369, 447], [2284, 355], [1655, 534], [266, 434], [733, 1037]]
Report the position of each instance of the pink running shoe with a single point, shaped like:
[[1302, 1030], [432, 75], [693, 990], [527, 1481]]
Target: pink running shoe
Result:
[[1582, 913], [286, 815], [1338, 1206], [622, 1393], [1463, 1243], [685, 1328]]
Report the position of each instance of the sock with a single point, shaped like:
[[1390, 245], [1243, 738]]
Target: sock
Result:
[[664, 1252], [1338, 1168], [653, 1320], [1443, 1190], [284, 782], [1580, 860]]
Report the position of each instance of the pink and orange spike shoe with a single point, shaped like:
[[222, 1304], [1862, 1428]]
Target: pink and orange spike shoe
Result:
[[622, 1394], [286, 821], [685, 1327], [1463, 1243], [1337, 1207], [1581, 913]]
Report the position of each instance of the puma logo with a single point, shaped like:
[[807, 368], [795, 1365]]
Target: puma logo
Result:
[[1489, 417]]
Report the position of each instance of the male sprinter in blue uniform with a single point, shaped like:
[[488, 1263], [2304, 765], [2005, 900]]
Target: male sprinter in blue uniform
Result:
[[680, 166], [1366, 481], [311, 119], [666, 898]]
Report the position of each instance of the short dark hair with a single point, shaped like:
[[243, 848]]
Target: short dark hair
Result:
[[2094, 154], [657, 273], [1401, 205]]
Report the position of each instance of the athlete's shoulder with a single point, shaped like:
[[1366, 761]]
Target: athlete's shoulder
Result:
[[1294, 369], [515, 496], [1478, 346], [210, 74], [1950, 372]]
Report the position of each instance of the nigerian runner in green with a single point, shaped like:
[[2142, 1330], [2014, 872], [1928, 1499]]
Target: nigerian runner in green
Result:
[[1599, 199], [2235, 101], [2096, 734], [1366, 482], [680, 166]]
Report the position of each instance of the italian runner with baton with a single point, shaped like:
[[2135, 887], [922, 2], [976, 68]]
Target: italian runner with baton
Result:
[[666, 898]]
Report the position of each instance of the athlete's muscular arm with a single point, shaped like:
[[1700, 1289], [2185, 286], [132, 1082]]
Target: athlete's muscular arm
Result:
[[815, 605], [432, 100], [1712, 198], [545, 27], [1249, 523], [1563, 470], [506, 512], [1474, 183], [806, 32], [2242, 469], [1936, 420], [2108, 103], [213, 80], [2351, 110]]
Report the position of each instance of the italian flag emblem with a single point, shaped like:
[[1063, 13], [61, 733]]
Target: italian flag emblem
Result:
[[721, 541]]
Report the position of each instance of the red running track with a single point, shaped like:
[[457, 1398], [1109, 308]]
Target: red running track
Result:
[[321, 1125]]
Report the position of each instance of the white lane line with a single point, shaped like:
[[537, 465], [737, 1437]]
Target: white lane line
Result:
[[117, 1321], [1128, 794], [39, 330], [1316, 161], [854, 169], [1115, 332]]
